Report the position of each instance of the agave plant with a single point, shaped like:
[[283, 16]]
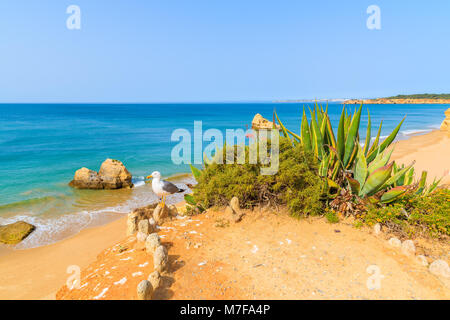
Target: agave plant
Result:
[[367, 170], [334, 153]]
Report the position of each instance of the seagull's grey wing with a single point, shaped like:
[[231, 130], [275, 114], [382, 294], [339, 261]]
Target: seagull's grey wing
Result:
[[169, 187]]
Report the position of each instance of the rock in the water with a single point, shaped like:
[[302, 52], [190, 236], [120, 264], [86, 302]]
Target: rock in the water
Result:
[[440, 268], [152, 242], [86, 179], [422, 260], [145, 227], [15, 232], [141, 237], [395, 242], [155, 279], [112, 175], [446, 123], [259, 122], [377, 229], [173, 211], [160, 259], [408, 247], [144, 290], [160, 214]]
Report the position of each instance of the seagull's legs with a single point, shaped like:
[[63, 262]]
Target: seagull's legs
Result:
[[163, 203]]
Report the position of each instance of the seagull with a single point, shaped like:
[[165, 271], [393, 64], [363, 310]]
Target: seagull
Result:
[[162, 188]]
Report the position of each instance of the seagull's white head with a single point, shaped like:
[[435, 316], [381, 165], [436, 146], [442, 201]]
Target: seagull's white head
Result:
[[155, 175]]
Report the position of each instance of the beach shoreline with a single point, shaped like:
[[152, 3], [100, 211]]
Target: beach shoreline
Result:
[[38, 273]]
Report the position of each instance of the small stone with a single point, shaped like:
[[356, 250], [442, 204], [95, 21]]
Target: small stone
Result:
[[422, 260], [408, 248], [144, 227], [152, 223], [152, 242], [160, 259], [173, 211], [395, 242], [234, 204], [131, 225], [377, 229], [141, 236], [144, 290], [155, 279], [440, 268], [160, 214]]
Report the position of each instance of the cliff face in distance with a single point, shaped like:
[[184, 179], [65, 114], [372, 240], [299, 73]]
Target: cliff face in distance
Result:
[[398, 101], [425, 98]]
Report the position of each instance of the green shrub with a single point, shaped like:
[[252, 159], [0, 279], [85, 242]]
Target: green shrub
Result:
[[296, 184], [332, 216], [414, 214]]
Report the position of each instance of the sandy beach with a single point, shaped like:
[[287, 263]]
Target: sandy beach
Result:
[[38, 273], [431, 152]]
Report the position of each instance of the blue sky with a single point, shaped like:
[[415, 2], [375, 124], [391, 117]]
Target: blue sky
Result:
[[208, 50]]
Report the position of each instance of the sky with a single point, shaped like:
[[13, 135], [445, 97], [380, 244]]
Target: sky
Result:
[[209, 50]]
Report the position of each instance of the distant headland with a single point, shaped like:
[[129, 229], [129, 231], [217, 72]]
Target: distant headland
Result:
[[426, 98]]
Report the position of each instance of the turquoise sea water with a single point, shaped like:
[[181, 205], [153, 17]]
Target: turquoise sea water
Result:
[[41, 146]]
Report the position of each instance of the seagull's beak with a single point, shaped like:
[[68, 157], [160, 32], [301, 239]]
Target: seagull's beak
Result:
[[148, 177]]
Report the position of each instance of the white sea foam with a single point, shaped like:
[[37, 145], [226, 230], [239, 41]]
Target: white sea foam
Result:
[[55, 228]]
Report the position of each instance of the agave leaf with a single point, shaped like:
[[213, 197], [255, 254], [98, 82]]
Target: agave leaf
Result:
[[368, 137], [361, 167], [381, 160], [409, 177], [398, 175], [330, 131], [387, 142], [341, 135], [422, 183], [283, 128], [317, 136], [195, 172], [354, 185], [332, 186], [351, 136], [305, 133], [434, 185], [324, 165], [376, 180], [374, 146], [393, 194]]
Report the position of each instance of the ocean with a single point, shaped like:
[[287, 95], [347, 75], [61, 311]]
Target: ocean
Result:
[[42, 145]]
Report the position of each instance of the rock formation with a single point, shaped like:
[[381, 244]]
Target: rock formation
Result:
[[15, 232], [160, 259], [160, 214], [233, 211], [259, 122], [144, 290], [112, 175], [155, 279], [446, 123], [152, 242], [144, 213]]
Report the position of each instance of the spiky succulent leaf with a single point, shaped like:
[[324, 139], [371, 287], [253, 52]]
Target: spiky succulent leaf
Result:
[[393, 194], [376, 180]]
